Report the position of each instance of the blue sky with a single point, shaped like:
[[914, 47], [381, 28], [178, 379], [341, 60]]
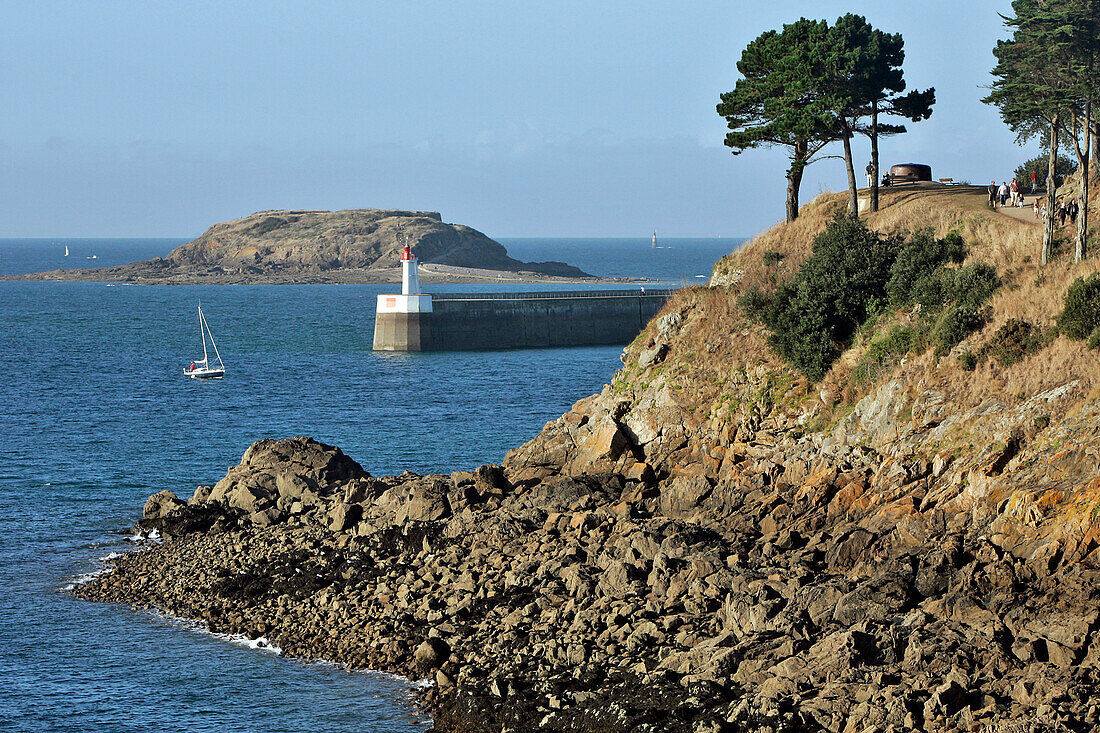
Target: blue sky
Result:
[[520, 119]]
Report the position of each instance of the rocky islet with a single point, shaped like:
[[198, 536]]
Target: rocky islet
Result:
[[350, 246]]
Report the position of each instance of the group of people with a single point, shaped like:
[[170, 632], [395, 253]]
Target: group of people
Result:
[[870, 170], [1066, 210], [1007, 194]]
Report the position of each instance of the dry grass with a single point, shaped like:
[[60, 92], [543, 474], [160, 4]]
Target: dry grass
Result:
[[718, 342], [792, 240]]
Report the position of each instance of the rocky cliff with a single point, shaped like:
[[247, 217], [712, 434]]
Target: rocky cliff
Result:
[[712, 543], [355, 245]]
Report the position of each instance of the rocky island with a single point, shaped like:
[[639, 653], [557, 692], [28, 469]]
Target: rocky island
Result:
[[352, 246], [716, 542]]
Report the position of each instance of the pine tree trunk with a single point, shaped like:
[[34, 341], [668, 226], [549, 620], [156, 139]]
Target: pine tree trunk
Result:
[[1080, 251], [794, 178], [1094, 134], [853, 197], [874, 156], [793, 181], [1048, 225]]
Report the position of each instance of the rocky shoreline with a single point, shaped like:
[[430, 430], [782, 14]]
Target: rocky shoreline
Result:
[[624, 600], [712, 544]]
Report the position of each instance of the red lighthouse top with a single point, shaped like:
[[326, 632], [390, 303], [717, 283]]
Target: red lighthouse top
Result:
[[406, 254]]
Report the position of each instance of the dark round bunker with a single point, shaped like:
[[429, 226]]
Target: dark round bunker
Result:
[[911, 172]]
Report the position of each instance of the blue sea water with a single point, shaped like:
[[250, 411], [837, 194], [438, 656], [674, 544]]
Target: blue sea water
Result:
[[95, 415]]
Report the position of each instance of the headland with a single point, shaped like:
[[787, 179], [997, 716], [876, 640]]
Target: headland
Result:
[[717, 542]]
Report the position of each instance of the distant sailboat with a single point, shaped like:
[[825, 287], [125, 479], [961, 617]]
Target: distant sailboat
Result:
[[66, 250], [201, 369], [654, 240]]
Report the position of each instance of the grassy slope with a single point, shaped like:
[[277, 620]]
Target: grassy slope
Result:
[[722, 386], [1030, 292]]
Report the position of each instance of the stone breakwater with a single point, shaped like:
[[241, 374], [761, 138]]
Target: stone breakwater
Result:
[[686, 593]]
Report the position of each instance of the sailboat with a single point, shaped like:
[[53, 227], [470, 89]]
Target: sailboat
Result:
[[654, 240], [202, 369], [66, 250]]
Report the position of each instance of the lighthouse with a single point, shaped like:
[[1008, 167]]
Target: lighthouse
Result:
[[402, 322], [410, 273]]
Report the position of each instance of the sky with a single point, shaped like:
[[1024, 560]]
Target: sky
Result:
[[520, 119]]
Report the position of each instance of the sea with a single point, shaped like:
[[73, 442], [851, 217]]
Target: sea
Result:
[[96, 415]]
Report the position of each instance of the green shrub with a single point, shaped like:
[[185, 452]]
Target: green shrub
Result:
[[1094, 339], [1013, 341], [754, 304], [916, 263], [956, 323], [968, 361], [268, 224], [813, 315], [1081, 309], [886, 351], [772, 258], [851, 278], [971, 285]]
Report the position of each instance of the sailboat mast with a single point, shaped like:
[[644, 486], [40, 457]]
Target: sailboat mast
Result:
[[202, 335]]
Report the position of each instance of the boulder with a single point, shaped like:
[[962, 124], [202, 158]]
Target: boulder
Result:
[[342, 517], [161, 504], [684, 495], [426, 502], [431, 654]]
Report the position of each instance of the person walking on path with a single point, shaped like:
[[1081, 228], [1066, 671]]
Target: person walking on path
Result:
[[870, 174], [1003, 191], [993, 194], [1061, 213], [1035, 207], [1033, 181], [1073, 209], [1014, 190]]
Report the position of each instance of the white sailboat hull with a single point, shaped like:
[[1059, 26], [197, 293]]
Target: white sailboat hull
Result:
[[201, 373]]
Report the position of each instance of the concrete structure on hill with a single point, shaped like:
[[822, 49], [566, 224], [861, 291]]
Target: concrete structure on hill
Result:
[[416, 321]]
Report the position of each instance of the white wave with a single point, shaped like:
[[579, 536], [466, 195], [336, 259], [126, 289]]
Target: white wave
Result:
[[91, 575], [141, 536], [81, 579], [262, 643]]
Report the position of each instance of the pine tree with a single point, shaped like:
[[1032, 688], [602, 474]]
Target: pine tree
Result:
[[811, 84], [1033, 86], [865, 79], [779, 99]]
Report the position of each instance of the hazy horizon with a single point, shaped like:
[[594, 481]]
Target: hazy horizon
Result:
[[156, 120]]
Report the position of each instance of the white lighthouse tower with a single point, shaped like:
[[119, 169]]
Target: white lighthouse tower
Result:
[[411, 300], [402, 322], [410, 273]]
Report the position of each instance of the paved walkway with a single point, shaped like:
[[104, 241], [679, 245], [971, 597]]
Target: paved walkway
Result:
[[1023, 213]]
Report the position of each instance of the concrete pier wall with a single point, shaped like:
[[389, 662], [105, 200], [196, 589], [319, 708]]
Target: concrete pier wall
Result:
[[469, 321]]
